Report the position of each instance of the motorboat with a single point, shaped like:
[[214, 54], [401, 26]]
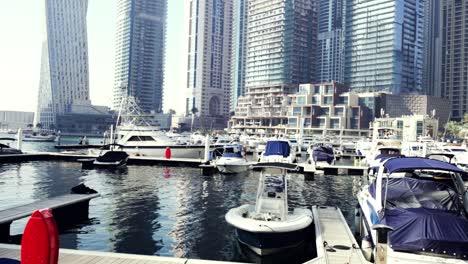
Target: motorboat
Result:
[[39, 137], [139, 137], [320, 152], [111, 156], [424, 204], [278, 150], [232, 160], [269, 226], [460, 155], [6, 149], [382, 154]]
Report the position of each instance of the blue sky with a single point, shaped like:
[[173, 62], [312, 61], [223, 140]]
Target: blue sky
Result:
[[21, 29]]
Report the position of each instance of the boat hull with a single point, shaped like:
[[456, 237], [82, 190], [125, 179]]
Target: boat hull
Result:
[[177, 151], [231, 165], [270, 243]]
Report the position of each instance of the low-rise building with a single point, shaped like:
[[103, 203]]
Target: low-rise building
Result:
[[405, 128], [12, 120], [327, 109]]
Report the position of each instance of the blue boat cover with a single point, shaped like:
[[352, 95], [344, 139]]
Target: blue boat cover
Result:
[[429, 230], [381, 157], [411, 164], [277, 148], [323, 153], [425, 215]]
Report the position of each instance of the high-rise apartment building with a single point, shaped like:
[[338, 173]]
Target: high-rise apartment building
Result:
[[209, 60], [239, 49], [139, 56], [330, 52], [384, 45], [455, 56], [432, 48], [64, 79], [281, 41]]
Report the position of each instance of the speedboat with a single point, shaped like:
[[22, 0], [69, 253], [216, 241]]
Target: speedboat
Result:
[[269, 226], [39, 137], [108, 158], [460, 155], [7, 149], [278, 150], [425, 204], [320, 152], [231, 160]]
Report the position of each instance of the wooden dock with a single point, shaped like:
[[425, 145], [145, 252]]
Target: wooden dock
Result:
[[66, 208], [335, 241], [70, 256]]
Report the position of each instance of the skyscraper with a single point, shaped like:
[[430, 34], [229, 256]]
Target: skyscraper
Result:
[[455, 56], [139, 57], [432, 48], [239, 49], [281, 40], [384, 45], [209, 60], [330, 57], [64, 76]]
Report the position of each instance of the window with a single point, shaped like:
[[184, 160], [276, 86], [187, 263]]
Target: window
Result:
[[419, 128], [400, 124], [297, 111], [301, 100], [141, 138]]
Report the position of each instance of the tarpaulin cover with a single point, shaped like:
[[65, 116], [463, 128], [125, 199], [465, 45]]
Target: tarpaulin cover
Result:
[[408, 164], [232, 155], [429, 230], [425, 215], [113, 156], [277, 148], [323, 153]]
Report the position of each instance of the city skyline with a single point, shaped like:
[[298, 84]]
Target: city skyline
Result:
[[21, 53]]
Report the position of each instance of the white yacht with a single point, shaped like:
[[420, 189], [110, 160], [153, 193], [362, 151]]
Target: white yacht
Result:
[[269, 226]]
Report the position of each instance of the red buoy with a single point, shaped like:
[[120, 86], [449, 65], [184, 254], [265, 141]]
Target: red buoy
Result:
[[40, 242], [168, 153]]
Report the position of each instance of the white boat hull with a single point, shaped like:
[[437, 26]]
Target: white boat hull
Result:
[[232, 165], [268, 237]]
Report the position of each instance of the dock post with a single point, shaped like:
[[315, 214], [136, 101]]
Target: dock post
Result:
[[207, 149], [382, 242], [5, 231], [19, 143]]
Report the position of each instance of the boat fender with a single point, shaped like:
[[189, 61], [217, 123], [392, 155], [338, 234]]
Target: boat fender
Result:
[[168, 153]]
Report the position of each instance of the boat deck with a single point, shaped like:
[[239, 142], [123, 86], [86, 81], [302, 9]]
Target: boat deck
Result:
[[69, 256], [335, 242]]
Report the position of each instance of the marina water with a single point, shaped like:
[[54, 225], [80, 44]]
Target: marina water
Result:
[[166, 211]]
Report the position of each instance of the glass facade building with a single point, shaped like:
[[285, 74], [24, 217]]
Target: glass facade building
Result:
[[330, 55], [384, 45], [281, 42], [64, 78], [455, 56], [432, 48], [139, 55], [209, 60], [239, 50]]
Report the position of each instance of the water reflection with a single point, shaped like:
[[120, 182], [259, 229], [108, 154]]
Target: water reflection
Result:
[[160, 210]]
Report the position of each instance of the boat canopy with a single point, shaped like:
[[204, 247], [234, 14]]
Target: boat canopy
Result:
[[411, 164], [277, 147], [381, 157]]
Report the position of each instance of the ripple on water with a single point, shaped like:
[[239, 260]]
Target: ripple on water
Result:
[[158, 210]]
